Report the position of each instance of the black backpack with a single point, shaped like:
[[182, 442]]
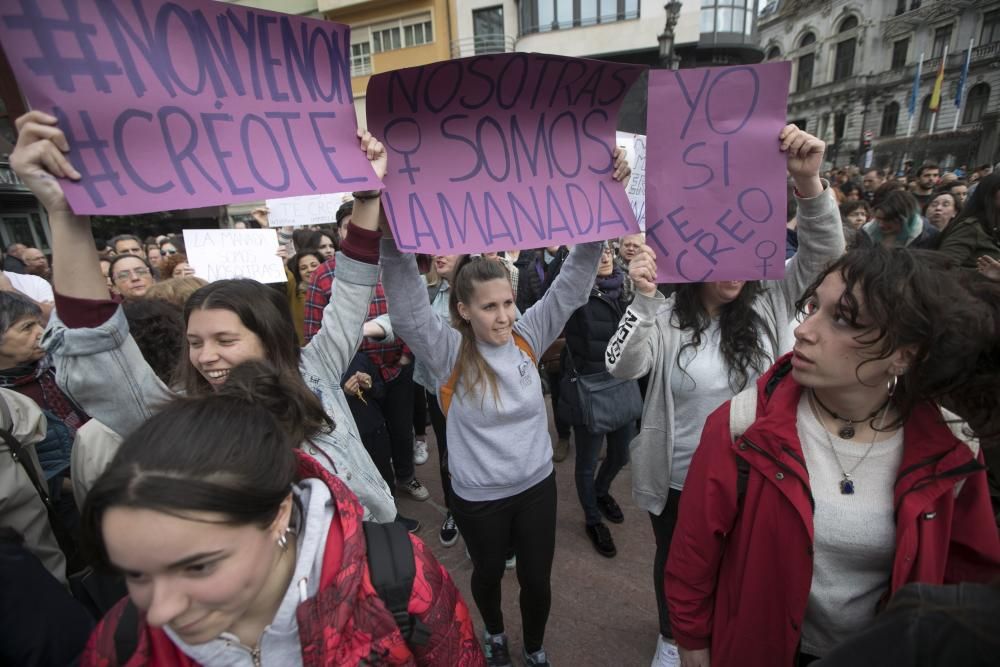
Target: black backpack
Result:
[[390, 566]]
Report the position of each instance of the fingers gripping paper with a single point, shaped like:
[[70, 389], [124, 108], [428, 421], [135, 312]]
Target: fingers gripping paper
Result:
[[715, 199], [188, 103], [501, 151]]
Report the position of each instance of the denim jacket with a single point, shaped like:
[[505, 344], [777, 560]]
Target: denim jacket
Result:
[[104, 372]]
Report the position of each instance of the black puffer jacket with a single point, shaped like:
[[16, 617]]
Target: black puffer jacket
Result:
[[591, 327], [535, 277]]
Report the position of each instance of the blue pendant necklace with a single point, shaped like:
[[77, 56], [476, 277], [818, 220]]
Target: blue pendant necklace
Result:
[[846, 483]]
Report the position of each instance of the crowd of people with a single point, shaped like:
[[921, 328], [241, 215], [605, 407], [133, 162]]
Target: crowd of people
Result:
[[207, 473]]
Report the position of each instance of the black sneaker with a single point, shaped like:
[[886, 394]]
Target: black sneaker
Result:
[[536, 659], [600, 536], [497, 653], [449, 531], [610, 509], [412, 525]]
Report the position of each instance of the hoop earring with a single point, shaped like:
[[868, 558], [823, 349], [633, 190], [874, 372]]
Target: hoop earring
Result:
[[891, 384]]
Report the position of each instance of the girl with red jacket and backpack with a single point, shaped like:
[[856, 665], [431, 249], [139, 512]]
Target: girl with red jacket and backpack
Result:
[[239, 549], [848, 480]]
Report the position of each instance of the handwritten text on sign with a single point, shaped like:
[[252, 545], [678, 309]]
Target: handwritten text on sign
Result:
[[501, 151], [218, 254], [188, 103], [635, 151], [716, 209], [305, 210]]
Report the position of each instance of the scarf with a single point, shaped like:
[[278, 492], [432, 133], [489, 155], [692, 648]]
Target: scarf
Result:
[[56, 402], [611, 286]]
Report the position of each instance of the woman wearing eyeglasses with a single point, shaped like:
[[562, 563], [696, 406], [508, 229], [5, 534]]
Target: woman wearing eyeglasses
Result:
[[131, 276]]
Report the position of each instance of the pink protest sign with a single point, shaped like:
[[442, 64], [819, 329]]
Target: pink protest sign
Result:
[[716, 181], [501, 151], [189, 103]]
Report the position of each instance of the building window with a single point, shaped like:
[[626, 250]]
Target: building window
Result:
[[942, 38], [975, 104], [899, 50], [991, 27], [487, 30], [839, 125], [773, 53], [890, 119], [361, 58], [727, 16], [386, 39], [417, 34], [925, 115], [843, 66], [546, 15], [900, 7], [804, 77]]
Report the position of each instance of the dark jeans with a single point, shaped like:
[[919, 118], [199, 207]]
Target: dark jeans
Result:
[[419, 412], [528, 521], [562, 427], [439, 424], [588, 447], [397, 408], [663, 530]]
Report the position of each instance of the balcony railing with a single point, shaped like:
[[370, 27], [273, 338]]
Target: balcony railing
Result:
[[482, 44], [361, 65]]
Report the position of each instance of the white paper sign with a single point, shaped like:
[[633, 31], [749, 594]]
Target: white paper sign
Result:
[[635, 152], [306, 210], [218, 254]]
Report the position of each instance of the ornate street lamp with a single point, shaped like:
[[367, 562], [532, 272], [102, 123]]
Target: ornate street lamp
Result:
[[668, 59]]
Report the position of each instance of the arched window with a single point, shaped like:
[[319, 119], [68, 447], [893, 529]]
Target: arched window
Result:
[[773, 53], [925, 115], [848, 23], [975, 103], [890, 119], [843, 66], [804, 78]]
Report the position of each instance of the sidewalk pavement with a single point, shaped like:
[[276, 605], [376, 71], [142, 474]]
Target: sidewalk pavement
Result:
[[603, 609]]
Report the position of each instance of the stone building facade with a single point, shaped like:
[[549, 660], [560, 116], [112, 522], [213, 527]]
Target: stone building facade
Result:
[[854, 64]]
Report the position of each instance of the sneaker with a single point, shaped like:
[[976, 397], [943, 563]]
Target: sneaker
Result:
[[561, 449], [449, 531], [412, 525], [536, 659], [416, 490], [600, 536], [510, 562], [610, 509], [420, 452], [497, 653], [666, 654]]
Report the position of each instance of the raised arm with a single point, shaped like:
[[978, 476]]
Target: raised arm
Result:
[[40, 163], [820, 233], [355, 277]]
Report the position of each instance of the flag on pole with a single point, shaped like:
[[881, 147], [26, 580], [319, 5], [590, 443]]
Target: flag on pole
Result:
[[916, 87], [963, 76], [938, 83]]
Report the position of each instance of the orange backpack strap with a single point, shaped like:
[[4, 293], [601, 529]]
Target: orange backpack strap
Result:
[[447, 390]]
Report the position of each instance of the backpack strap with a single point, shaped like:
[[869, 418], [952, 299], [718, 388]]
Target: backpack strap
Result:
[[392, 571], [447, 390], [127, 633], [742, 414]]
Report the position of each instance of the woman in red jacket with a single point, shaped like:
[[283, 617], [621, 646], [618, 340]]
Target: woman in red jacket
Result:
[[796, 525], [239, 549]]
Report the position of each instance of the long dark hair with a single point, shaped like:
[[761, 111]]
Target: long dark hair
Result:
[[951, 317], [293, 263], [219, 453], [743, 332], [262, 310], [981, 205]]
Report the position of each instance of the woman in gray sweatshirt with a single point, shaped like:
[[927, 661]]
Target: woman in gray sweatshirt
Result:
[[499, 447]]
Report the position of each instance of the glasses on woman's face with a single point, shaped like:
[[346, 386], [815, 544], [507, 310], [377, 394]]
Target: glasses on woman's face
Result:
[[126, 273], [168, 251]]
